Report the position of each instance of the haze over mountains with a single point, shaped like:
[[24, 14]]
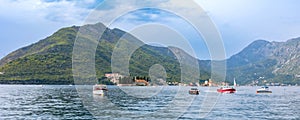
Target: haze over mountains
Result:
[[49, 61]]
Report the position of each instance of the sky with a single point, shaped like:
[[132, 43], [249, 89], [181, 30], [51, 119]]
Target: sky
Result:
[[239, 22]]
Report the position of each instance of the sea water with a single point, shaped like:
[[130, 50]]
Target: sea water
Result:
[[170, 102]]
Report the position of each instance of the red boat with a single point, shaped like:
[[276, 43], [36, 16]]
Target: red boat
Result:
[[226, 89]]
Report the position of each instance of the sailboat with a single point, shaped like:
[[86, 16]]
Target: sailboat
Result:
[[234, 83], [228, 89]]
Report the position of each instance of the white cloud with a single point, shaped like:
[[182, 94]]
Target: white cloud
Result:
[[24, 22], [112, 9], [240, 22], [63, 11]]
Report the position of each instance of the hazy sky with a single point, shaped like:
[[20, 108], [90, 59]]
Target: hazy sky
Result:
[[239, 22]]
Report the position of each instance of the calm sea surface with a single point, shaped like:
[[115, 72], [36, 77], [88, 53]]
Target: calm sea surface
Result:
[[77, 102]]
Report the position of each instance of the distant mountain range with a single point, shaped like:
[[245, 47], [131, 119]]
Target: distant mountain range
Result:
[[49, 61], [267, 62]]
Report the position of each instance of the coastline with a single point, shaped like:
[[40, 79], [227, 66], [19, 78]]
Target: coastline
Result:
[[36, 82]]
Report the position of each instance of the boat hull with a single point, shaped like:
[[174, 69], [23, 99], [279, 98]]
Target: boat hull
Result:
[[226, 90]]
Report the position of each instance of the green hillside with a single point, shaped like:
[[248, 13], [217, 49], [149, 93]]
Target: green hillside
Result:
[[49, 61]]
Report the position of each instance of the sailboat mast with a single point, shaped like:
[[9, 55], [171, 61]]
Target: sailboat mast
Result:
[[234, 83]]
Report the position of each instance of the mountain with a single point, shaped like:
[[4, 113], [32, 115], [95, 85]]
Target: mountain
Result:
[[267, 62], [49, 61], [254, 52]]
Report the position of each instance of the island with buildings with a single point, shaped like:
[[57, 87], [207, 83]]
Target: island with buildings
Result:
[[122, 80]]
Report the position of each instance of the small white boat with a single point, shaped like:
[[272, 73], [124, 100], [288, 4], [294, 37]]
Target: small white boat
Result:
[[99, 89], [194, 91], [263, 89]]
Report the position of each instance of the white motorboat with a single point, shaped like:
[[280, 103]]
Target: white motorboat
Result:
[[99, 89], [263, 89]]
